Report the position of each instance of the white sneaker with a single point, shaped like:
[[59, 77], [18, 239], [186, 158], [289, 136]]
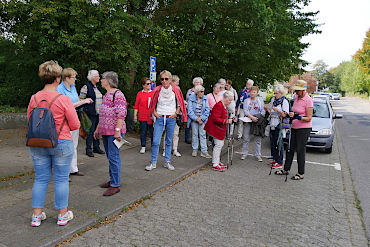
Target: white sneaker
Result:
[[36, 220], [259, 159], [206, 155], [164, 153], [176, 153], [243, 157], [169, 166], [194, 153], [142, 150], [151, 166], [63, 220]]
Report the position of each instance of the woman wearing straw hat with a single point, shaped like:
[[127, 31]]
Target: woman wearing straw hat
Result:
[[302, 111]]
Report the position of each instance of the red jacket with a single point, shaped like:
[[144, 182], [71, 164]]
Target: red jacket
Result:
[[216, 124], [179, 98]]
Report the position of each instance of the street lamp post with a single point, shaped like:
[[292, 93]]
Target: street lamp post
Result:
[[299, 67]]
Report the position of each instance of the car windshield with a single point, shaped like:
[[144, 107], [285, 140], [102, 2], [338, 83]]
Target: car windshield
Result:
[[320, 110]]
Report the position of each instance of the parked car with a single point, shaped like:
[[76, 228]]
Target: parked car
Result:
[[321, 96], [323, 126], [335, 96]]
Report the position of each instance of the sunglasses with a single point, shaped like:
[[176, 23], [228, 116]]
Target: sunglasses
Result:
[[148, 83], [201, 91], [165, 79]]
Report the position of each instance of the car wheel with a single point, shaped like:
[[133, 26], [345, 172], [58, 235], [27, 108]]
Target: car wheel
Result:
[[328, 150]]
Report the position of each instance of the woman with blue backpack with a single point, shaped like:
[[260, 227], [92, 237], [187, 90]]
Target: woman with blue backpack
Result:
[[54, 160]]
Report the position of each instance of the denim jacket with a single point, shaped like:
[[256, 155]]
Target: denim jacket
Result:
[[192, 105]]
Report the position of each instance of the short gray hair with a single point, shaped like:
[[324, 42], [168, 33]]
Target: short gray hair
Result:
[[221, 80], [228, 94], [200, 79], [250, 81], [279, 88], [198, 88], [91, 74], [175, 78], [112, 78]]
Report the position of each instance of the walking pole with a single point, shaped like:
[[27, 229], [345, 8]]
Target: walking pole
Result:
[[228, 145], [232, 144]]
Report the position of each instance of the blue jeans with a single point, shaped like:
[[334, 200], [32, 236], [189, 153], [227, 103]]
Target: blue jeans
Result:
[[187, 132], [144, 127], [44, 160], [159, 126], [114, 159], [198, 130], [278, 157], [90, 136]]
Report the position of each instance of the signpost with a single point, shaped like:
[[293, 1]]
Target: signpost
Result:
[[153, 72]]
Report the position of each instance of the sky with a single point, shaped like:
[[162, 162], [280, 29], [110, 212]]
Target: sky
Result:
[[345, 23]]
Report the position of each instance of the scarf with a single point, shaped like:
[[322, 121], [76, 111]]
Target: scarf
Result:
[[278, 101], [166, 93]]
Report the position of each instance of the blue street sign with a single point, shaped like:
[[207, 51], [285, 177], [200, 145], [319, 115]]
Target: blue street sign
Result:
[[153, 66]]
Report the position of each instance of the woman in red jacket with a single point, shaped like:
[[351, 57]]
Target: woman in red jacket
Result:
[[142, 106], [216, 127]]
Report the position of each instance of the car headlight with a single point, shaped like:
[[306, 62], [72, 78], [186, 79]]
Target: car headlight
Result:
[[324, 132]]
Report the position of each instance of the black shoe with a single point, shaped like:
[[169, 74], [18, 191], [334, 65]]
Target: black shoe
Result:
[[90, 154], [188, 142], [99, 151], [77, 174]]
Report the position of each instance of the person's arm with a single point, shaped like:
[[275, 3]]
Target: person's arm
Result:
[[83, 92], [191, 113], [71, 115], [135, 115], [309, 113], [82, 102], [206, 111]]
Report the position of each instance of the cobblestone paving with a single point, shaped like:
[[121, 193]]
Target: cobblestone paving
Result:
[[242, 206]]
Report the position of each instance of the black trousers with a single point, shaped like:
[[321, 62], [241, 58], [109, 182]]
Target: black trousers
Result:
[[298, 141]]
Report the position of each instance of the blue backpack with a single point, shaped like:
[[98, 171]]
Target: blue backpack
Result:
[[41, 126]]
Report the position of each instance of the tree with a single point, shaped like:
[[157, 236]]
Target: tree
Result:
[[258, 39], [363, 55], [319, 70]]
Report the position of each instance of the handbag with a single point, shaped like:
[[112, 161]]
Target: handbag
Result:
[[85, 123]]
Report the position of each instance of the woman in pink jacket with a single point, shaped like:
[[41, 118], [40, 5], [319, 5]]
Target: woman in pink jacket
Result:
[[57, 160]]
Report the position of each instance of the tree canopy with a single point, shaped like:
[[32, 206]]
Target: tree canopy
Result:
[[233, 39]]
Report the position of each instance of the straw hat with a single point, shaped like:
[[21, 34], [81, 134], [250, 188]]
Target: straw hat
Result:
[[299, 85]]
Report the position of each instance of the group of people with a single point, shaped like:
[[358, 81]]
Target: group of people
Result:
[[106, 113], [162, 110]]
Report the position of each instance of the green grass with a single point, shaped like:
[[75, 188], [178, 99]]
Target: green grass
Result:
[[11, 109]]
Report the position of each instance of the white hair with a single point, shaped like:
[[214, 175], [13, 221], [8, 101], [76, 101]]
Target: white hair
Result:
[[200, 79], [279, 88], [222, 80], [91, 74], [251, 82], [228, 94], [198, 88]]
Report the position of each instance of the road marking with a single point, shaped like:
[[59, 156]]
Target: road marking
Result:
[[337, 166]]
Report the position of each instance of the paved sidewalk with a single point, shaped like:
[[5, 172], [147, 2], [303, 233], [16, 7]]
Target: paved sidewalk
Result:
[[242, 206], [86, 200]]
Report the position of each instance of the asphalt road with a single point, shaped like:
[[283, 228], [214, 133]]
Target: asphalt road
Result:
[[244, 206], [355, 131]]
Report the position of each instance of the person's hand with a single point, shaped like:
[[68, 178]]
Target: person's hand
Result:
[[229, 121], [135, 119], [291, 114], [173, 115], [254, 119], [157, 115], [284, 114], [296, 116], [275, 109], [96, 134], [235, 119], [117, 135]]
